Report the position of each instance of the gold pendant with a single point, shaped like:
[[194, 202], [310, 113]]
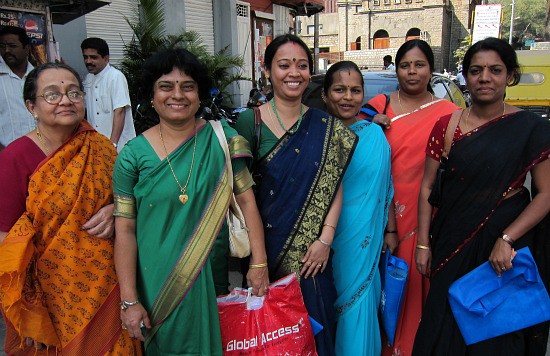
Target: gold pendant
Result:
[[183, 198]]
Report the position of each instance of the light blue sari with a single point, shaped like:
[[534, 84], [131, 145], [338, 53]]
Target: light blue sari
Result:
[[368, 191]]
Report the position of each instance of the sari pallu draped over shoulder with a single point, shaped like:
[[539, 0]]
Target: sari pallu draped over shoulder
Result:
[[299, 178], [482, 168], [57, 282], [175, 284], [407, 137]]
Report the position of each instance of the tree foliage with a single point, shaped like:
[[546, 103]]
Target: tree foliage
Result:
[[149, 36], [461, 50], [529, 19]]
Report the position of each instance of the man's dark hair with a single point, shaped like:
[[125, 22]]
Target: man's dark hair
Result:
[[20, 32], [387, 58], [98, 44]]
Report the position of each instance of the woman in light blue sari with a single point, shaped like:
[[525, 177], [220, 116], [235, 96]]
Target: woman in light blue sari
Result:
[[360, 234]]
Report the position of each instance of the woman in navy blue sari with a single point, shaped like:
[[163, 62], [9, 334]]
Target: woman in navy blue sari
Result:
[[300, 157]]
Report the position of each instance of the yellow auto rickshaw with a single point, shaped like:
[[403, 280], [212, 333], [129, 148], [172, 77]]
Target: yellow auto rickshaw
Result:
[[533, 91]]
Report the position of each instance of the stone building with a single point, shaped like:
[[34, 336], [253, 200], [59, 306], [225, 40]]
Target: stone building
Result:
[[365, 31]]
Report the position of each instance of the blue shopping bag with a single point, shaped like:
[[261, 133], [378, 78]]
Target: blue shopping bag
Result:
[[485, 305], [393, 273]]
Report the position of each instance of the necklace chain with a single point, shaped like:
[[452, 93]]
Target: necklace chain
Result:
[[399, 99], [296, 127], [42, 141], [467, 122], [275, 126], [183, 197]]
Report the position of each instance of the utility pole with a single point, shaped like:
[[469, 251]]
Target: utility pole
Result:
[[512, 21], [316, 44]]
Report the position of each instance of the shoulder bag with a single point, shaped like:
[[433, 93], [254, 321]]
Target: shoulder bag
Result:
[[239, 242]]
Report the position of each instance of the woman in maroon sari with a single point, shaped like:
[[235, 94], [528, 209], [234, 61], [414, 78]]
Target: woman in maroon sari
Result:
[[484, 211]]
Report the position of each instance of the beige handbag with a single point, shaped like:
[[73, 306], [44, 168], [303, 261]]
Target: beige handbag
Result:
[[239, 242]]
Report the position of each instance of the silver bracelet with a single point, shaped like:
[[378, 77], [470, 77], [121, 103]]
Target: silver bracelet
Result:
[[324, 242]]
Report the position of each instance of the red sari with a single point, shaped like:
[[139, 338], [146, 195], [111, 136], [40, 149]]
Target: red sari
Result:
[[408, 136]]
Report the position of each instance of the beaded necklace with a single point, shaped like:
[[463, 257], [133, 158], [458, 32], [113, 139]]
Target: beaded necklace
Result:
[[296, 127]]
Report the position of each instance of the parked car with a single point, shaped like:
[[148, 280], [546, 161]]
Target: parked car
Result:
[[385, 82], [533, 91]]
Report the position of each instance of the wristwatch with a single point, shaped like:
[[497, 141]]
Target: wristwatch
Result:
[[124, 304]]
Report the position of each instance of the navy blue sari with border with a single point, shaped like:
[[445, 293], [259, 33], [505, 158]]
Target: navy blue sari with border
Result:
[[298, 180]]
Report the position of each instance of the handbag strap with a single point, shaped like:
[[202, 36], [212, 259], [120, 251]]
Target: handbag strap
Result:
[[218, 130], [450, 132]]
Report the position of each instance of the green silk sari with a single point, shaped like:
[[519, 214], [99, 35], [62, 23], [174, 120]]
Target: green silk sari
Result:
[[175, 277]]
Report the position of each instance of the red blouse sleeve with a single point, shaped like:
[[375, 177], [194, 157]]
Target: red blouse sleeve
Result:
[[434, 149], [17, 163]]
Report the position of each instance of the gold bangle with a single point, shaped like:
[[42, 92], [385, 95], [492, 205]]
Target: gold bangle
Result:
[[258, 265], [329, 225], [508, 239], [423, 247]]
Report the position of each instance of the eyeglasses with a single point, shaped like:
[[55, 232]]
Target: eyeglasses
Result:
[[55, 97]]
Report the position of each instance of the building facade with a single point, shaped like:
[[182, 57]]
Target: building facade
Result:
[[368, 30]]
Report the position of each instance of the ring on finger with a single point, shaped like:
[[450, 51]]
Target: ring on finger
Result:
[[141, 324], [123, 326], [318, 266], [309, 263]]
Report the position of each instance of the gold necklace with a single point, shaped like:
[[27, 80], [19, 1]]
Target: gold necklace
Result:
[[467, 124], [183, 197], [42, 141], [401, 105]]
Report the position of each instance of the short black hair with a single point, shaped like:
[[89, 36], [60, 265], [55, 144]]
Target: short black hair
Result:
[[99, 44], [165, 61], [14, 30], [504, 50], [29, 88], [337, 67], [387, 58], [272, 48]]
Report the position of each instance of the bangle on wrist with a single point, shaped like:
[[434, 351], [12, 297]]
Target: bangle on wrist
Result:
[[324, 242], [510, 241], [258, 265], [423, 247], [125, 304], [390, 231], [329, 225]]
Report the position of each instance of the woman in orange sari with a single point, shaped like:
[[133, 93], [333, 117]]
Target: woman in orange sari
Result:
[[58, 288], [411, 113]]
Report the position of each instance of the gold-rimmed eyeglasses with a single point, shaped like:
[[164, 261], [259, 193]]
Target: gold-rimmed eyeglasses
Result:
[[55, 97]]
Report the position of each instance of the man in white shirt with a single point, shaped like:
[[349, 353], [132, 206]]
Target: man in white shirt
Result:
[[15, 119], [108, 104], [388, 64]]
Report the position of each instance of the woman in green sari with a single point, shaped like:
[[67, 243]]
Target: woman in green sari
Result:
[[172, 193]]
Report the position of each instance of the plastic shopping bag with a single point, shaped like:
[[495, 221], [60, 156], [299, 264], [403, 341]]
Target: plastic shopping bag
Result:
[[393, 273], [485, 305], [276, 324]]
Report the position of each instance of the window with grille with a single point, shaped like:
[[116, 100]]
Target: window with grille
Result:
[[376, 2], [242, 10]]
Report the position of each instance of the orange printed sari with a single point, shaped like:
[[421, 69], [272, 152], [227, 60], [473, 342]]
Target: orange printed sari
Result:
[[408, 137], [57, 282]]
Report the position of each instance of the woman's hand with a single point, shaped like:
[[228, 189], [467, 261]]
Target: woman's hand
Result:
[[382, 120], [102, 224], [134, 318], [258, 279], [31, 343], [501, 256], [423, 260], [391, 241], [315, 260]]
